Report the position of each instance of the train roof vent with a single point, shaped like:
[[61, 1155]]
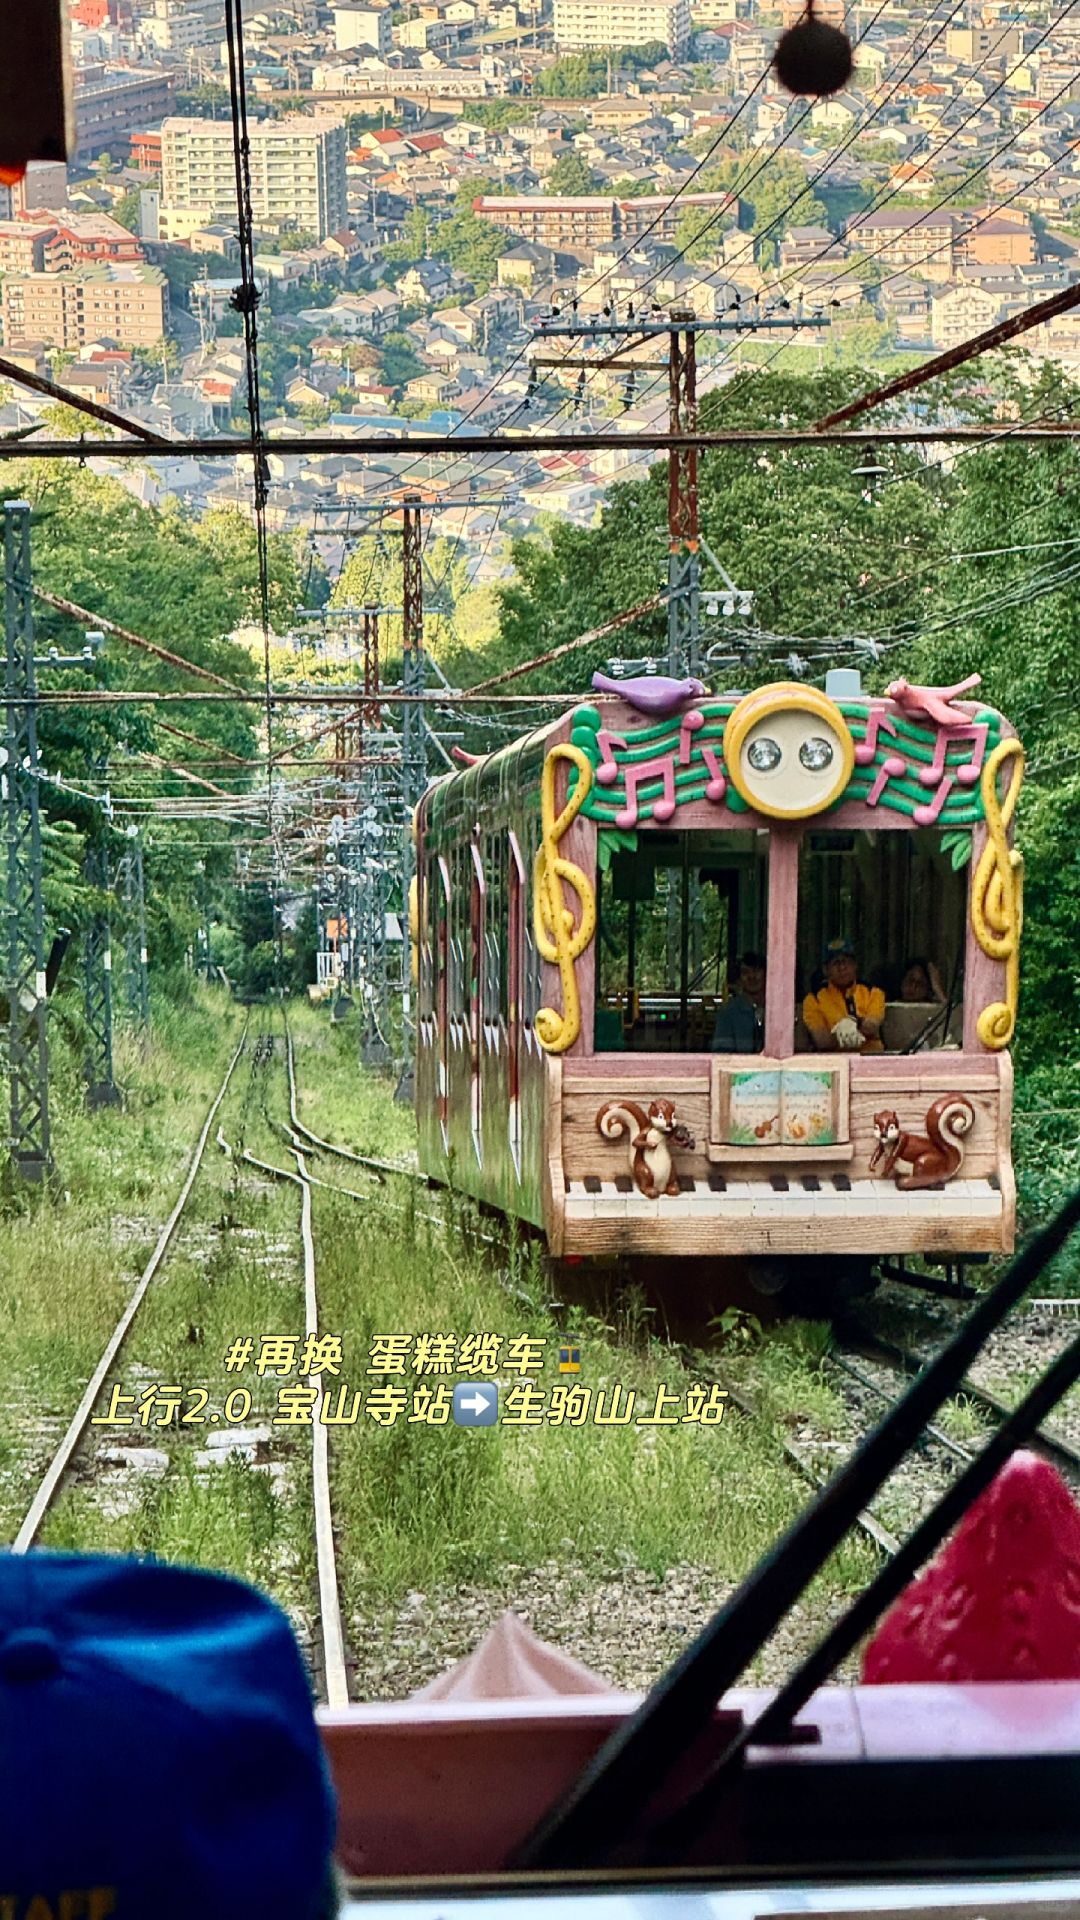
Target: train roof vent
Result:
[[843, 683]]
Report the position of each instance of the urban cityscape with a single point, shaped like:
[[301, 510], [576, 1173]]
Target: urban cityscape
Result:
[[430, 181]]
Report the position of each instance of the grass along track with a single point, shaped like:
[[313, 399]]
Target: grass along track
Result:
[[71, 1254], [615, 1541]]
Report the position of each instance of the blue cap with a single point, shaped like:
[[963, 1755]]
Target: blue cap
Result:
[[157, 1745], [836, 950]]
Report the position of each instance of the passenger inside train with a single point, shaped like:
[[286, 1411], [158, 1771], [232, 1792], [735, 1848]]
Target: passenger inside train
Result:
[[740, 1023], [845, 1015]]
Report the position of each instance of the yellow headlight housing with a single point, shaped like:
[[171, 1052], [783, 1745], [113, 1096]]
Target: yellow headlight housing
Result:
[[788, 750]]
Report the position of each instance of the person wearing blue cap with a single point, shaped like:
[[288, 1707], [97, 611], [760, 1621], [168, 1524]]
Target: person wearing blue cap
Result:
[[158, 1749], [844, 1015]]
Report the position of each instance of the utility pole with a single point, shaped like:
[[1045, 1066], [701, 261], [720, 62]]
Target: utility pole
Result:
[[101, 1089], [24, 936], [414, 776], [684, 567], [679, 330]]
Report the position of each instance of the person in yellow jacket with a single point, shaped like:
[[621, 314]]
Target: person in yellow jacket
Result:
[[844, 1016]]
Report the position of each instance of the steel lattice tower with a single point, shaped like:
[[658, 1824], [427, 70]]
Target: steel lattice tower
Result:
[[24, 932], [133, 887], [101, 1089]]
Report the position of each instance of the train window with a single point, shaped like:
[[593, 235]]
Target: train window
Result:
[[673, 914], [897, 898]]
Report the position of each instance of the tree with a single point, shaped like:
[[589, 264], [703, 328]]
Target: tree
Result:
[[471, 244], [577, 76], [571, 174], [400, 363], [128, 210], [210, 101]]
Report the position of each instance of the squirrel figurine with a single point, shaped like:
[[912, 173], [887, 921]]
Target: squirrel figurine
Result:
[[651, 1132], [934, 1156]]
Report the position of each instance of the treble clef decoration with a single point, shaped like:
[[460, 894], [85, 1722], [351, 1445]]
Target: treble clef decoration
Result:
[[559, 940], [997, 904]]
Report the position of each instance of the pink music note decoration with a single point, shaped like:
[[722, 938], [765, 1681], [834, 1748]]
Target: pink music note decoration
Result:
[[890, 769], [947, 737], [717, 785], [925, 816], [877, 721], [662, 768], [689, 724], [607, 772]]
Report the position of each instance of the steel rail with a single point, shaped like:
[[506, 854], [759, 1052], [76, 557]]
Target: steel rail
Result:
[[930, 1431], [335, 1670], [1051, 1445], [867, 1522], [464, 447], [327, 1146], [333, 1637], [61, 1459]]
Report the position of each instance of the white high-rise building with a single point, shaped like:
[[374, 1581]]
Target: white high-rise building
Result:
[[297, 171], [621, 23]]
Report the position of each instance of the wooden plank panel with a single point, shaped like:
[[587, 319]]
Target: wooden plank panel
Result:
[[585, 1151], [728, 1235]]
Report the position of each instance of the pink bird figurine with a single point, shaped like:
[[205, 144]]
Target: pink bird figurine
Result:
[[651, 693], [933, 703]]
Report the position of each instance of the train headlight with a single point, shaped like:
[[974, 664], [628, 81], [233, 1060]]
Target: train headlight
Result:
[[764, 754], [815, 755], [789, 751]]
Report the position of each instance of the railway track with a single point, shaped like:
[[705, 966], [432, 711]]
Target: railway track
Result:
[[899, 1360], [58, 1466]]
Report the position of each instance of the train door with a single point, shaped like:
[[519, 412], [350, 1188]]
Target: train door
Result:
[[475, 985], [514, 977]]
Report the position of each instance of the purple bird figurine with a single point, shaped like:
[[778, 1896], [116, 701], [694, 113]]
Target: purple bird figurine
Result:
[[652, 692]]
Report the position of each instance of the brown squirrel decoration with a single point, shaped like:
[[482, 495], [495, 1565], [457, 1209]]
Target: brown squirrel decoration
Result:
[[934, 1156], [651, 1132]]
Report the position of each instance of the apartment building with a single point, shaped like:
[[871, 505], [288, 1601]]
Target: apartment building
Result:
[[297, 172], [110, 102], [29, 245], [128, 304], [591, 220], [22, 246], [176, 26], [621, 23], [1001, 241], [959, 313], [363, 25], [898, 237]]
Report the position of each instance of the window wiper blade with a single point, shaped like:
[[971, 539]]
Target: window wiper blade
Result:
[[605, 1803]]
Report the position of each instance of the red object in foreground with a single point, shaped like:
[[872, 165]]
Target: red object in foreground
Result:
[[10, 176], [1002, 1600]]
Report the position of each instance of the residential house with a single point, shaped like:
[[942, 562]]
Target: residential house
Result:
[[426, 283]]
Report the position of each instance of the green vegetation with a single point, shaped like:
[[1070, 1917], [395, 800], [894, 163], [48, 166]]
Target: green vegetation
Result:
[[571, 174]]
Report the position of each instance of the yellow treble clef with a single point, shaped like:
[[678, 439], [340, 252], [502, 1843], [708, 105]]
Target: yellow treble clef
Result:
[[997, 894], [557, 938]]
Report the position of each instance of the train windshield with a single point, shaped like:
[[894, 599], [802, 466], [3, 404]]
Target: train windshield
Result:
[[674, 914], [898, 898]]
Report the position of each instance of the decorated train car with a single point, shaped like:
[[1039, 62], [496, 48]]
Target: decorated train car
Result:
[[729, 975]]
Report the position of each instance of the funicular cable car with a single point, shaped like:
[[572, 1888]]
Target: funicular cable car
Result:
[[583, 899]]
